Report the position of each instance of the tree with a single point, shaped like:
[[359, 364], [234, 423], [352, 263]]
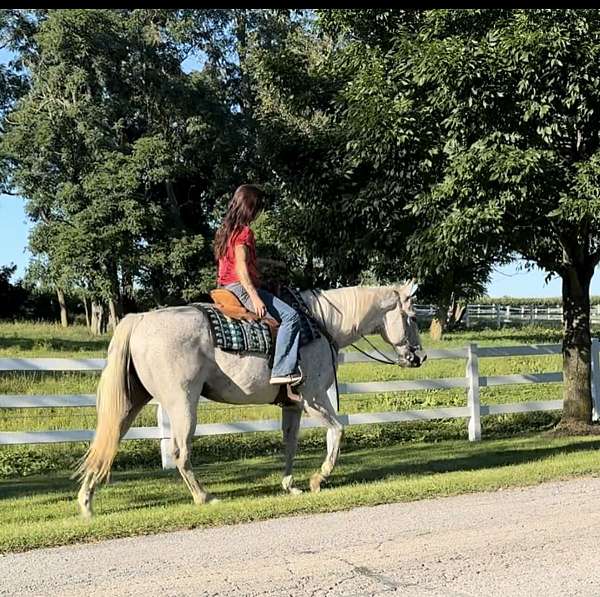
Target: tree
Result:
[[492, 115], [120, 154], [12, 296], [326, 136], [295, 82]]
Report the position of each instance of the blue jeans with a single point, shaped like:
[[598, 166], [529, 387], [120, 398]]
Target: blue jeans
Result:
[[288, 337]]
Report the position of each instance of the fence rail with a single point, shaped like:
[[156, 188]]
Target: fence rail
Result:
[[508, 314], [471, 382]]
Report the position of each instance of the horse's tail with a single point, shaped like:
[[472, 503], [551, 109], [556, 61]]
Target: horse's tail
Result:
[[114, 399]]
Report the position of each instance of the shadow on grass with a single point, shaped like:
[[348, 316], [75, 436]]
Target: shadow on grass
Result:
[[53, 343], [468, 462], [254, 479]]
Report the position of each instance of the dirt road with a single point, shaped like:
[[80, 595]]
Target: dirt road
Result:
[[543, 540]]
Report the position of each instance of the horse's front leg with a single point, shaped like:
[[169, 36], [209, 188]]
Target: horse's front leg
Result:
[[290, 425], [322, 409]]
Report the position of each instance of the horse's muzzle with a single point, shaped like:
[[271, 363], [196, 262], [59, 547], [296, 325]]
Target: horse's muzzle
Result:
[[415, 359]]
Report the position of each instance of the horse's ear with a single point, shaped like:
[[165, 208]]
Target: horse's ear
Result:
[[414, 288], [407, 290]]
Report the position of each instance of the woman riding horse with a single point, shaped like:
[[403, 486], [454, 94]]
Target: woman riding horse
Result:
[[235, 252]]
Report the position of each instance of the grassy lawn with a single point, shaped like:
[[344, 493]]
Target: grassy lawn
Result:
[[41, 511], [31, 340]]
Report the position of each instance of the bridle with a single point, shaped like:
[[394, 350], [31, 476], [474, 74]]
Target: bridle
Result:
[[385, 360], [335, 348]]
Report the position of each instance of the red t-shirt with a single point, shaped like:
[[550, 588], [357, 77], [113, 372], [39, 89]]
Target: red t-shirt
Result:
[[227, 273]]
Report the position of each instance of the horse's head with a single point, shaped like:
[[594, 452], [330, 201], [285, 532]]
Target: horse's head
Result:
[[400, 326]]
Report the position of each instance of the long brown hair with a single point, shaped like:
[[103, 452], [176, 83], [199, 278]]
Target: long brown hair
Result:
[[245, 205]]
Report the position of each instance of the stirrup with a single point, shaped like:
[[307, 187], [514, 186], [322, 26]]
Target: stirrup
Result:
[[292, 396], [293, 379]]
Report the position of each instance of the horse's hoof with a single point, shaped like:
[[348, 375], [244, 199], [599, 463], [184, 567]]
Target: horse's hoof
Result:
[[84, 508], [315, 482], [206, 500], [288, 486], [86, 514]]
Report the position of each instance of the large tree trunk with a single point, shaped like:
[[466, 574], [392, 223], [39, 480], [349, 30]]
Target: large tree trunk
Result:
[[127, 295], [438, 323], [64, 320], [577, 393], [88, 322]]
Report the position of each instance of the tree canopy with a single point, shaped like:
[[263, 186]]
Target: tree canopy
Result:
[[481, 128]]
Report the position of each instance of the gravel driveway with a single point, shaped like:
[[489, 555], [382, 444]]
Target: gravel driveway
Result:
[[543, 540]]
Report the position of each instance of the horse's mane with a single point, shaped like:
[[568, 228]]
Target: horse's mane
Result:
[[349, 310]]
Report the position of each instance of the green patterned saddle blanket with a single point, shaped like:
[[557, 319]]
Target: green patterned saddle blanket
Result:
[[241, 336], [236, 335]]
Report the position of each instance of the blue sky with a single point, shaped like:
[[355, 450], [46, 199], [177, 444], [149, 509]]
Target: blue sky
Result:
[[511, 280]]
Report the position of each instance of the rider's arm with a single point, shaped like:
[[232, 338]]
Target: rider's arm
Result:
[[241, 269]]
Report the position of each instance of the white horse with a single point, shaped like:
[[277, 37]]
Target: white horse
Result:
[[169, 355]]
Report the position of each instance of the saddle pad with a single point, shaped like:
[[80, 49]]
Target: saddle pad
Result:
[[237, 335], [308, 328]]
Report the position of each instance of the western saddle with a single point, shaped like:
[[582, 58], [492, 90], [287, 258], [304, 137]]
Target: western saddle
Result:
[[231, 306]]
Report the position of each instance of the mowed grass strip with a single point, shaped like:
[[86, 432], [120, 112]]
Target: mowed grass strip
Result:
[[37, 339], [41, 511]]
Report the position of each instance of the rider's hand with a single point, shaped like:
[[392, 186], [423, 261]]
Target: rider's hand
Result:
[[259, 306]]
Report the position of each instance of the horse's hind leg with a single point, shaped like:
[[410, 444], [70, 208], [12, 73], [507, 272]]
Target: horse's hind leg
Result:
[[183, 415], [290, 425], [322, 409]]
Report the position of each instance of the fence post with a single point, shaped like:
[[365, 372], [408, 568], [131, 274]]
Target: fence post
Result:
[[164, 425], [473, 401], [498, 322], [595, 379], [467, 322]]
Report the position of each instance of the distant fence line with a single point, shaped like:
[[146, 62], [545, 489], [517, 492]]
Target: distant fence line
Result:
[[472, 382], [507, 314]]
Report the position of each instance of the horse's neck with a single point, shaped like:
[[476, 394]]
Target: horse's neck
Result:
[[346, 313]]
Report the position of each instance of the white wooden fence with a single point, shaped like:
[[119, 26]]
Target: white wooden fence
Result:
[[472, 382], [499, 314]]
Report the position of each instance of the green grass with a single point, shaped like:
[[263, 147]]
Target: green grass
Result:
[[32, 340], [36, 340], [41, 511]]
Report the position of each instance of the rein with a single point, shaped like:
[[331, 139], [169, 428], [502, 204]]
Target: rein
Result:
[[387, 360], [335, 349]]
